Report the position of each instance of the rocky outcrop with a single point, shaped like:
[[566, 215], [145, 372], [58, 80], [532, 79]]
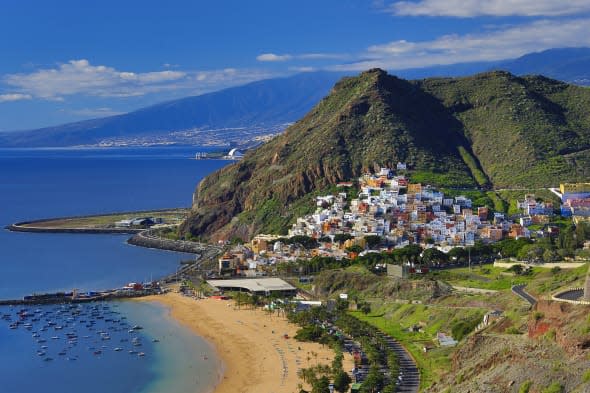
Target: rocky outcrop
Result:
[[144, 239]]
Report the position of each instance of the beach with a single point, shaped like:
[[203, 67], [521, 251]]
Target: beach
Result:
[[257, 358]]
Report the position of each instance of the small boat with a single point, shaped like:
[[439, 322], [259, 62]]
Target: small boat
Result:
[[98, 352], [155, 340], [118, 349], [136, 327], [141, 354], [48, 359]]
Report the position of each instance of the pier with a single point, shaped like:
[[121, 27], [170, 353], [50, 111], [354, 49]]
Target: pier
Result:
[[69, 298]]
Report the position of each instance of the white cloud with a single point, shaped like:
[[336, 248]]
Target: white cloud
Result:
[[10, 97], [273, 57], [80, 77], [473, 8], [94, 112], [303, 69], [501, 43]]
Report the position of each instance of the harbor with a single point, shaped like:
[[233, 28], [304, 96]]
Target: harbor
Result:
[[57, 330], [87, 297]]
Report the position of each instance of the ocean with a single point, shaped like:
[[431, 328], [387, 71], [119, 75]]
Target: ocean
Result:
[[41, 183]]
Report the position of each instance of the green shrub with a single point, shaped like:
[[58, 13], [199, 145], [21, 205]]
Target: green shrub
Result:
[[512, 330], [555, 387], [461, 329], [525, 387]]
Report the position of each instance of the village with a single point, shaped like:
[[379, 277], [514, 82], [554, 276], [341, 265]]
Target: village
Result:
[[384, 211]]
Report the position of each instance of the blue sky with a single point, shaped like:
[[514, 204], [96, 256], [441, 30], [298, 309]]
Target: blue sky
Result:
[[66, 60]]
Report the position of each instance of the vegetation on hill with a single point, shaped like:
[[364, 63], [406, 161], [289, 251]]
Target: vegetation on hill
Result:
[[492, 129]]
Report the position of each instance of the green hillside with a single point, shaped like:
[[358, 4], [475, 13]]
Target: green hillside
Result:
[[491, 129]]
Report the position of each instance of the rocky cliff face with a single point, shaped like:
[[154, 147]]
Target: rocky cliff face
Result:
[[494, 124], [555, 351]]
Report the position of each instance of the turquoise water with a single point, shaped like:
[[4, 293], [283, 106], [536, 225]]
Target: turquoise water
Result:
[[51, 183]]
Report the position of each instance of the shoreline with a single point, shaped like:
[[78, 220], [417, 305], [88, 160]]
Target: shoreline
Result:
[[255, 355], [140, 237], [30, 225]]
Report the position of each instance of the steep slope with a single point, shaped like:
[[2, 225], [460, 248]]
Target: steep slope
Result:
[[529, 131], [369, 121], [268, 102], [519, 131]]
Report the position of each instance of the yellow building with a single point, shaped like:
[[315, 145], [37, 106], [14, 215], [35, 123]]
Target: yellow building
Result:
[[574, 187], [261, 242], [414, 188]]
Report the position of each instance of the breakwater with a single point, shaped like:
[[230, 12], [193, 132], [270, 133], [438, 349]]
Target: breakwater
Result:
[[150, 239], [64, 299], [96, 231], [41, 225]]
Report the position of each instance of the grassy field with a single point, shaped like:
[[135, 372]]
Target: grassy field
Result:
[[539, 280], [172, 216], [396, 319]]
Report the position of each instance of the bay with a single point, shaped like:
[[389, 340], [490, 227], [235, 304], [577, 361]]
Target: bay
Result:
[[42, 183]]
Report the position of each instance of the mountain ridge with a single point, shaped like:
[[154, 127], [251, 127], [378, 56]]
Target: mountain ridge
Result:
[[267, 105], [517, 131]]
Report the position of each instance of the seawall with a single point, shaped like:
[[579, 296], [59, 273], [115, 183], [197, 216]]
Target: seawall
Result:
[[146, 239], [19, 228], [29, 225]]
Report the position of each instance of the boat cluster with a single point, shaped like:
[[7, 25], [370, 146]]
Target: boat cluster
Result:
[[70, 331]]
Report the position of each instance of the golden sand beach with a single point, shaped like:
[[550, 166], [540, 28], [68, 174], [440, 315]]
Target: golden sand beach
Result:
[[251, 343]]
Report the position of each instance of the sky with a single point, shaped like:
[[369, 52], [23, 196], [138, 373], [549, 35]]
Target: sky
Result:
[[70, 60]]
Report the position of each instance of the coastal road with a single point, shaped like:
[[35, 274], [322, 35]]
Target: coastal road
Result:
[[408, 370], [519, 291], [574, 294]]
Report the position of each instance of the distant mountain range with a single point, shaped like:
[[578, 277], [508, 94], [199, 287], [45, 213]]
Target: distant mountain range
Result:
[[244, 113], [256, 109]]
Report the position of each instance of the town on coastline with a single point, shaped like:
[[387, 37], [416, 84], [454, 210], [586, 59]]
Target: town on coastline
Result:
[[386, 214]]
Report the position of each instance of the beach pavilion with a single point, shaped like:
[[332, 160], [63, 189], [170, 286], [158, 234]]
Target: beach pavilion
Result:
[[258, 286]]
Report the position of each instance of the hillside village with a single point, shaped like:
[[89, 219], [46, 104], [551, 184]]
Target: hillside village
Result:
[[386, 210]]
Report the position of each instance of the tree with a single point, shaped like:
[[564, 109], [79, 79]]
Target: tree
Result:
[[458, 254], [342, 237], [372, 241], [305, 241], [531, 253], [549, 256], [321, 385], [374, 381], [341, 381], [432, 256], [355, 248], [516, 269], [365, 308]]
